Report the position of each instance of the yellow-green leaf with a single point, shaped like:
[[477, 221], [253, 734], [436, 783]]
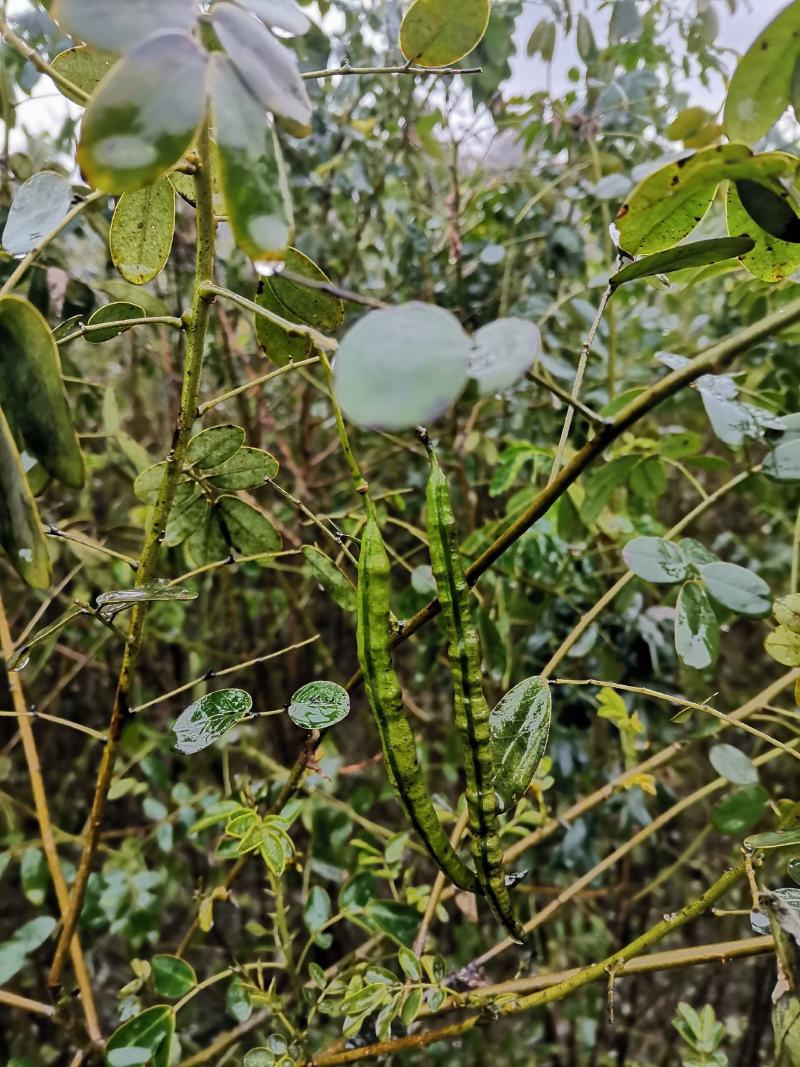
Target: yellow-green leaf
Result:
[[771, 259], [31, 387], [759, 91], [140, 240], [85, 67], [20, 529], [435, 33]]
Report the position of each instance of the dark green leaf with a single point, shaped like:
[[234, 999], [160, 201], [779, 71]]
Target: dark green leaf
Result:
[[34, 876], [116, 313], [145, 114], [696, 628], [332, 580], [737, 589], [152, 1029], [141, 233], [20, 529], [774, 839], [770, 209], [740, 810], [205, 721], [32, 388], [172, 976], [318, 705], [519, 726], [771, 259], [436, 33], [312, 306], [249, 530], [317, 908], [278, 345], [695, 254], [214, 446], [733, 764], [400, 921], [248, 469], [601, 485], [187, 515], [207, 543], [39, 205]]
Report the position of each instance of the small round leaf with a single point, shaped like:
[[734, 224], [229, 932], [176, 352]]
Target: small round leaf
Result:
[[318, 705]]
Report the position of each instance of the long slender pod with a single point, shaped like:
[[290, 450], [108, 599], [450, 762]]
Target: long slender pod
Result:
[[471, 709], [386, 701]]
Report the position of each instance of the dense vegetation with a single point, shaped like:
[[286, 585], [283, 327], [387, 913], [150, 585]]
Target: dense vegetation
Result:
[[400, 571]]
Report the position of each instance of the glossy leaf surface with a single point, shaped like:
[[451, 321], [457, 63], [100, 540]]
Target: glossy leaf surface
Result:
[[655, 560], [318, 705], [172, 976], [694, 254], [151, 1030], [519, 727], [740, 810], [771, 259], [205, 721], [696, 628]]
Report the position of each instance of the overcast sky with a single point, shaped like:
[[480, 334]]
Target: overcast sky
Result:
[[529, 75]]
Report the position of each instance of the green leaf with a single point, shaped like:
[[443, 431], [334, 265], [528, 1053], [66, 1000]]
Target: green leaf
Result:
[[740, 810], [783, 463], [519, 727], [694, 254], [205, 721], [317, 908], [502, 352], [152, 1029], [115, 313], [249, 530], [20, 528], [118, 27], [771, 259], [671, 202], [145, 114], [283, 14], [409, 964], [318, 705], [207, 543], [411, 1006], [34, 876], [625, 22], [172, 976], [250, 163], [14, 953], [737, 589], [357, 892], [600, 488], [436, 33], [39, 205], [784, 646], [401, 367], [248, 469], [84, 67], [267, 68], [333, 581], [302, 303], [733, 764], [774, 839], [157, 590], [142, 229], [648, 479], [187, 515], [655, 560], [696, 628], [214, 446], [400, 921], [278, 345], [697, 554], [32, 388], [147, 484], [787, 612], [759, 91], [237, 1001], [585, 39], [770, 207]]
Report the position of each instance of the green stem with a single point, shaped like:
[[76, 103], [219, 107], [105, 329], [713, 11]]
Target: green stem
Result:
[[209, 289], [122, 324], [41, 64], [196, 325], [231, 393]]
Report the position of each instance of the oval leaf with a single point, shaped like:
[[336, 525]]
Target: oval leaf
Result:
[[145, 114], [740, 810], [172, 976], [332, 580], [84, 67], [737, 589], [784, 646], [502, 352], [401, 367], [318, 705], [249, 530], [20, 528], [116, 313], [771, 259], [787, 612], [40, 204], [214, 446], [119, 26], [696, 628], [278, 345], [205, 721], [783, 463], [305, 304], [769, 206], [281, 14], [774, 839], [435, 33], [655, 560], [731, 763], [248, 469], [520, 727], [151, 1030], [31, 386], [141, 234]]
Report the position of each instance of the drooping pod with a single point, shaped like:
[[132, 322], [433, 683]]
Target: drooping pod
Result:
[[385, 698], [471, 709]]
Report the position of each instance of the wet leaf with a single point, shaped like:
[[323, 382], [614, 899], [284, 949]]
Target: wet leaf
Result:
[[696, 628], [332, 580], [737, 589], [733, 764], [250, 163], [142, 229], [771, 259], [32, 388], [304, 304], [152, 1030], [519, 727], [205, 721], [20, 528], [774, 839], [145, 114], [694, 254], [759, 90], [249, 530], [436, 33], [115, 313], [402, 367], [318, 705], [214, 446], [157, 590], [502, 352], [787, 612], [664, 208], [740, 810], [248, 469], [119, 26], [784, 646], [268, 68], [655, 560], [172, 976], [37, 208], [84, 67]]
